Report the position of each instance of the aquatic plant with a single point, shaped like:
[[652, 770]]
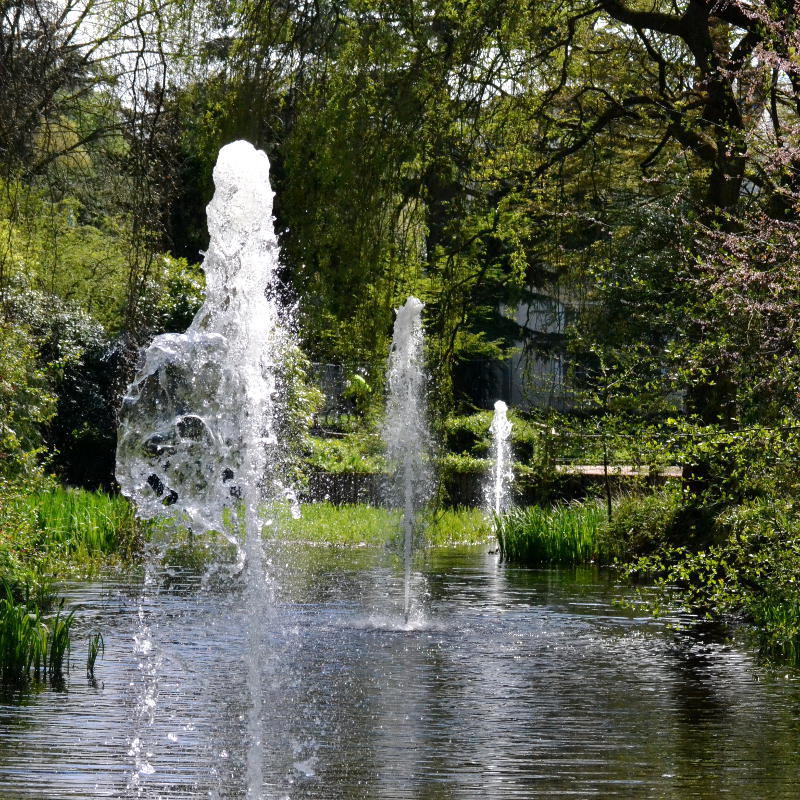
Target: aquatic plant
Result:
[[31, 643], [96, 647], [562, 535], [78, 523]]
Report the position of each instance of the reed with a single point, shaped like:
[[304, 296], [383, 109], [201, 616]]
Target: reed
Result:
[[563, 535], [32, 644], [79, 523], [97, 647]]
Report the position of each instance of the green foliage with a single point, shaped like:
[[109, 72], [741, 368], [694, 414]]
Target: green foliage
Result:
[[641, 523], [359, 392], [467, 445], [354, 452], [32, 644], [26, 402], [469, 435], [452, 464], [748, 568], [178, 290], [740, 463], [563, 535], [50, 247], [301, 398], [69, 352]]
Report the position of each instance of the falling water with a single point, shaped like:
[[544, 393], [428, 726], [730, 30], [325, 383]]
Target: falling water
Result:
[[498, 486], [197, 434], [406, 427]]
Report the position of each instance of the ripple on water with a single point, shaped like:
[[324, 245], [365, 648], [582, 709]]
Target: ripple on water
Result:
[[506, 684]]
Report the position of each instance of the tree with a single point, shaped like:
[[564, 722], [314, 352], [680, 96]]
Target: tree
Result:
[[384, 123]]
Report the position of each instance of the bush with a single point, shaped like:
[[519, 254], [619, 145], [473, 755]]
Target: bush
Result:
[[26, 402], [749, 569], [354, 452], [74, 365], [641, 523], [470, 436]]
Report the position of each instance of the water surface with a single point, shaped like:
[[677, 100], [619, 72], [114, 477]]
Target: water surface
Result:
[[507, 683]]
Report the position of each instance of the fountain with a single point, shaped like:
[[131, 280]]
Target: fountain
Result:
[[496, 491], [406, 428], [197, 436]]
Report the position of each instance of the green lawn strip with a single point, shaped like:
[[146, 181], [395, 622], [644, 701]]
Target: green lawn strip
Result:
[[361, 525]]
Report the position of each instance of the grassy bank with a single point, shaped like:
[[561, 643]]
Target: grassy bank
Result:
[[357, 525], [48, 534]]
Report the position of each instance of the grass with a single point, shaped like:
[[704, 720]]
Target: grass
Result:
[[564, 535], [82, 525], [362, 525], [33, 643], [344, 525], [454, 526], [46, 534]]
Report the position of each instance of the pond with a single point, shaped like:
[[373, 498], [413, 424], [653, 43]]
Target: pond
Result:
[[506, 683]]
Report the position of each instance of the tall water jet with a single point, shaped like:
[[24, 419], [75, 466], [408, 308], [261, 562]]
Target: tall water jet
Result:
[[197, 438], [497, 489], [405, 430]]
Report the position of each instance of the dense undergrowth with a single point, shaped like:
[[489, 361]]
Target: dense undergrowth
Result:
[[740, 562]]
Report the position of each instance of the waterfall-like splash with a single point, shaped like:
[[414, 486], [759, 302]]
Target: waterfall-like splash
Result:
[[406, 428], [497, 489], [197, 437]]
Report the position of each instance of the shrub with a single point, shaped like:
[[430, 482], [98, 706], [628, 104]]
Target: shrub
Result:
[[26, 402], [749, 569], [355, 452], [641, 523]]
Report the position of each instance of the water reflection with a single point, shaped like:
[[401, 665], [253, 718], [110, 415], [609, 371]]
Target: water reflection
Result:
[[513, 684]]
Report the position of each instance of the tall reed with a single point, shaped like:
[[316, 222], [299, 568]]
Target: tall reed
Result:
[[31, 643], [97, 647], [564, 535], [81, 523]]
